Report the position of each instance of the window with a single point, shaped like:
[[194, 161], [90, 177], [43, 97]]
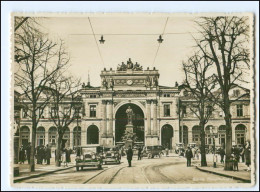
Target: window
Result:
[[240, 138], [53, 112], [25, 113], [166, 95], [167, 110], [66, 112], [184, 111], [93, 96], [240, 110], [92, 110]]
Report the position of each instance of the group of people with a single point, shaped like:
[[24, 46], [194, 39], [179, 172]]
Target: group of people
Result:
[[242, 152], [42, 154], [65, 156]]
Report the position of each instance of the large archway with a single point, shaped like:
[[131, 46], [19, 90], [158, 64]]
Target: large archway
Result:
[[92, 134], [167, 135], [121, 122]]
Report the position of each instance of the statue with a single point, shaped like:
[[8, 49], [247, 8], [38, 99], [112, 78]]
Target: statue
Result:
[[104, 83], [129, 64], [111, 83], [148, 82], [130, 114]]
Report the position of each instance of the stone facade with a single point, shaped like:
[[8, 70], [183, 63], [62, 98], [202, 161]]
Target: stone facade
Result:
[[130, 84]]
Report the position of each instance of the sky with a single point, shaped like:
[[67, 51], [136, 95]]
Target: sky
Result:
[[125, 37]]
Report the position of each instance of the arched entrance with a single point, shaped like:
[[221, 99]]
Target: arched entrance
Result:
[[121, 122], [240, 132], [222, 135], [167, 135], [92, 134], [24, 135]]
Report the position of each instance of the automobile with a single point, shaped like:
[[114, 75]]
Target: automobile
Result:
[[88, 158], [179, 147], [112, 156], [152, 151]]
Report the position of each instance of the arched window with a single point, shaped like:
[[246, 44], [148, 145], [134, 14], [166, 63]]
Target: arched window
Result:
[[24, 135], [240, 133], [53, 136], [92, 135], [40, 132], [196, 134], [208, 139], [222, 135]]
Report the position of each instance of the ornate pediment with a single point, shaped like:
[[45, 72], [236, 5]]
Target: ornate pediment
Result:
[[129, 65]]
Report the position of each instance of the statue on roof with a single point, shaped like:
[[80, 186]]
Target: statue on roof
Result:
[[129, 64]]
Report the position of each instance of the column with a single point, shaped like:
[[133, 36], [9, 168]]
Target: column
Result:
[[148, 115], [155, 128], [104, 118], [110, 118]]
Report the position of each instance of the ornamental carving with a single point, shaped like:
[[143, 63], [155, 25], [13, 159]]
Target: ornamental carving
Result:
[[129, 65]]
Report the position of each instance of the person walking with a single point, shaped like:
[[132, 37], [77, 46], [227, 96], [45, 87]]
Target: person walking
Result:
[[139, 153], [242, 153], [129, 154], [21, 155], [188, 155], [28, 152], [222, 154], [247, 153], [63, 158], [166, 150], [48, 154], [193, 152]]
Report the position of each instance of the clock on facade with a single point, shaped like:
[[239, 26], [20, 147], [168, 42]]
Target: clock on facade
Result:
[[129, 82]]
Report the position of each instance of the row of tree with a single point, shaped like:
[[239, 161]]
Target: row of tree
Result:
[[220, 60], [41, 75]]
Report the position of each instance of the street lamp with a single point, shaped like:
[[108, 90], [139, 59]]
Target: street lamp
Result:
[[102, 41], [160, 40]]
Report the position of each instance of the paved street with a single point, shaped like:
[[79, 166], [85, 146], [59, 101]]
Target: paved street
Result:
[[166, 170]]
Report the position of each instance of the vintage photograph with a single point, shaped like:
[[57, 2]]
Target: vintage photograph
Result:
[[133, 99]]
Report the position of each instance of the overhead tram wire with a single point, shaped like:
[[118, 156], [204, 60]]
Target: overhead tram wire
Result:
[[96, 42], [133, 34], [160, 43]]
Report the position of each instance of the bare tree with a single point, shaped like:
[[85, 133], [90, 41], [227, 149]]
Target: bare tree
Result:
[[224, 41], [41, 61], [65, 103], [199, 82]]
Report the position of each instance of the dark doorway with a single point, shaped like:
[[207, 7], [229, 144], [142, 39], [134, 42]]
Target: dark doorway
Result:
[[166, 136], [121, 121], [92, 134]]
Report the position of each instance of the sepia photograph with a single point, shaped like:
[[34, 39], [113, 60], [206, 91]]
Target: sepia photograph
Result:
[[122, 100]]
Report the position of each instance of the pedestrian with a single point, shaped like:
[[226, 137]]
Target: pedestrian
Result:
[[129, 154], [188, 155], [37, 154], [63, 158], [197, 154], [166, 150], [28, 152], [139, 153], [41, 154], [247, 153], [237, 154], [21, 155], [222, 154], [48, 154]]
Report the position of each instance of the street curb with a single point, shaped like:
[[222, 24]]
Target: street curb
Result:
[[39, 175], [224, 175]]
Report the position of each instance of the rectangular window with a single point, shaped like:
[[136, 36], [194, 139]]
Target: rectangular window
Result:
[[239, 110], [209, 110], [92, 110], [93, 96], [167, 111], [184, 110]]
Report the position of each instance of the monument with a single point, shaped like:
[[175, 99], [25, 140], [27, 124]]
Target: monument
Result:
[[129, 136]]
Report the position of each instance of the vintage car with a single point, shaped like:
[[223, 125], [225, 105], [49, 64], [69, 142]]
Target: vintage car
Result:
[[88, 158], [111, 156], [152, 151], [179, 148]]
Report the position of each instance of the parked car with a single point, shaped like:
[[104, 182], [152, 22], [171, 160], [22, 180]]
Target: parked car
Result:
[[152, 151], [112, 156], [88, 158], [179, 148]]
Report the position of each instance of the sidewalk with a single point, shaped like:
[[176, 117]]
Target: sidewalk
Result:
[[40, 169], [242, 173]]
